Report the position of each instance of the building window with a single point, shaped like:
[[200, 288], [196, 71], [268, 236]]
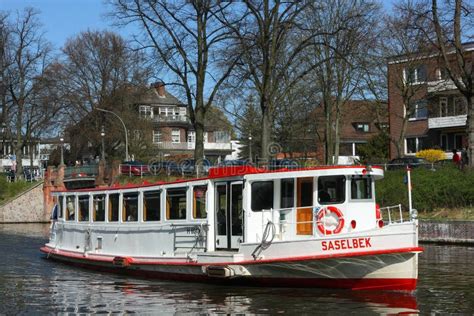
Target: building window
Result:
[[205, 137], [145, 111], [382, 126], [98, 207], [460, 106], [175, 135], [419, 110], [176, 203], [151, 206], [442, 74], [191, 137], [415, 75], [130, 207], [114, 207], [221, 137], [182, 111], [156, 137], [199, 201], [415, 144], [443, 106], [262, 195], [362, 127], [137, 134]]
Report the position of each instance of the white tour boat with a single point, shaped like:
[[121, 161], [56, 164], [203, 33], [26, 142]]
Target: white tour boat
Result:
[[314, 227]]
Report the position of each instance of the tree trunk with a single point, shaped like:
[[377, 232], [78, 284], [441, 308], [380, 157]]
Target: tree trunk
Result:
[[337, 137], [470, 129], [199, 149], [266, 135], [329, 143], [401, 140]]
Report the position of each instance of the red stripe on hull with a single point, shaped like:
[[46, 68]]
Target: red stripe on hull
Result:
[[138, 261], [407, 284]]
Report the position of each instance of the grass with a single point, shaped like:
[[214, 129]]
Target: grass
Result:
[[446, 214], [9, 190]]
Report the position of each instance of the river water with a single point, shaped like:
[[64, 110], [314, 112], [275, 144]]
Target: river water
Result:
[[30, 284]]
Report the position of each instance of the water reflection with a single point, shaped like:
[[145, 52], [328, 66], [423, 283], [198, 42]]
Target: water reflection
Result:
[[31, 284]]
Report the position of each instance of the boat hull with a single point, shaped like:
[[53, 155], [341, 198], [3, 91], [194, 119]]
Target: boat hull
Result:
[[395, 270]]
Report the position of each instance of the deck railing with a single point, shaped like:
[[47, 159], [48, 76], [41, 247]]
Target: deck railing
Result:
[[285, 227]]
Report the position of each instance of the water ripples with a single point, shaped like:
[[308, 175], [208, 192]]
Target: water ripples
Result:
[[29, 284]]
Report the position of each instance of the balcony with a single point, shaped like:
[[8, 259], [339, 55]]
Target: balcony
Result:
[[441, 86], [170, 118], [191, 146], [447, 121]]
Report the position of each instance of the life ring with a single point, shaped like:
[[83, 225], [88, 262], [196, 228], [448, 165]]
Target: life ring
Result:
[[340, 220]]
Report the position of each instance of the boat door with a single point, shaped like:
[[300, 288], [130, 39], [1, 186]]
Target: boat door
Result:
[[304, 215], [229, 215]]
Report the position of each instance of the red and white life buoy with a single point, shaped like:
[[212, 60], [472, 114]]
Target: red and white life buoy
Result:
[[329, 212]]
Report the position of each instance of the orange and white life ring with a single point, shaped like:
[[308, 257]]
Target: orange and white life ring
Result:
[[329, 212]]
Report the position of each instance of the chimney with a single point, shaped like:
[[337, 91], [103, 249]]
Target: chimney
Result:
[[160, 88]]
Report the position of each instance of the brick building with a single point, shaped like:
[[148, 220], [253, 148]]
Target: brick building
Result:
[[173, 132], [360, 121], [437, 111]]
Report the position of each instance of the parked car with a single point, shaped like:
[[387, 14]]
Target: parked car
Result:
[[134, 168], [189, 166], [403, 162], [165, 166], [283, 164], [237, 162]]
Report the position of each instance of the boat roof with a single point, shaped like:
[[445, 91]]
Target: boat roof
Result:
[[251, 173]]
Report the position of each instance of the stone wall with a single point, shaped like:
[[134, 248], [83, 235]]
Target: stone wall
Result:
[[447, 232], [25, 208]]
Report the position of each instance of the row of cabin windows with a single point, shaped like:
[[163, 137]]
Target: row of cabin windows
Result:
[[331, 190], [176, 201]]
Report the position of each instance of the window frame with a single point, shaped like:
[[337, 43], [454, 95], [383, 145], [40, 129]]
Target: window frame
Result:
[[168, 205], [94, 211], [160, 205], [344, 193], [79, 208], [371, 188], [173, 135], [194, 203], [252, 195], [75, 208]]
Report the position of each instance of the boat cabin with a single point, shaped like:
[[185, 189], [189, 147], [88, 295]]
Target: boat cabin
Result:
[[234, 205]]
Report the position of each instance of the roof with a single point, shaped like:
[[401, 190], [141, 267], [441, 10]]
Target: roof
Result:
[[232, 172], [152, 97]]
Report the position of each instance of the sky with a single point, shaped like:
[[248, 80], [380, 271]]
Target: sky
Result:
[[63, 19]]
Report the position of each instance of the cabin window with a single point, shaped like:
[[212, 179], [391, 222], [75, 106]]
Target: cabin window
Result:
[[199, 201], [151, 205], [83, 208], [331, 189], [98, 207], [262, 195], [176, 203], [60, 206], [130, 207], [361, 188], [71, 208], [287, 199], [114, 207]]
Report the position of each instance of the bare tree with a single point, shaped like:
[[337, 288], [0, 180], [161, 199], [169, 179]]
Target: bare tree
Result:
[[404, 42], [271, 39], [29, 53], [347, 36], [451, 26], [100, 70], [191, 43]]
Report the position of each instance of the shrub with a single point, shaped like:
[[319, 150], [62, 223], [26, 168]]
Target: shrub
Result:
[[432, 155], [446, 187]]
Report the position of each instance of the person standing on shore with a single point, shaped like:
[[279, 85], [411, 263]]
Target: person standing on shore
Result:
[[456, 158]]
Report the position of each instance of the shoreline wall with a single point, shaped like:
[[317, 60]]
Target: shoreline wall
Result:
[[458, 232], [25, 208]]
